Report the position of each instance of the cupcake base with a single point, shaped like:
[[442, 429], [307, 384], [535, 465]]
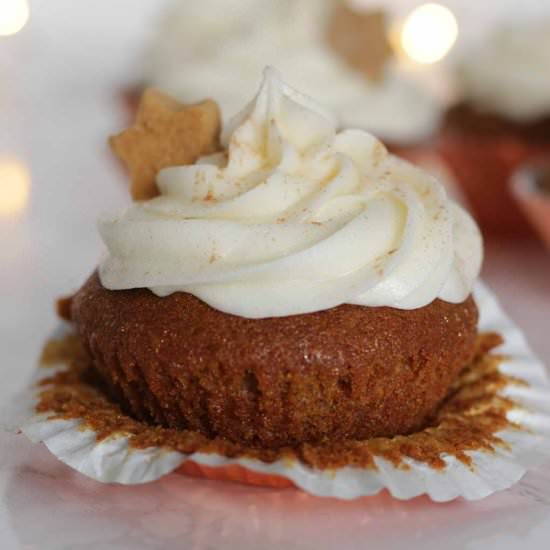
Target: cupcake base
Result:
[[347, 372], [458, 426], [494, 425]]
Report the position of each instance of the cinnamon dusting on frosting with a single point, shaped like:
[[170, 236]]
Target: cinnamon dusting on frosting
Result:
[[360, 38], [288, 165]]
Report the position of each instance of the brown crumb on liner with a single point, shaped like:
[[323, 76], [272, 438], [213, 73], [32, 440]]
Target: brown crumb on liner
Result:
[[63, 307], [360, 38]]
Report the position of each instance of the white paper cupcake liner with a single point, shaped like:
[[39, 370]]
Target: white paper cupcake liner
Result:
[[113, 461]]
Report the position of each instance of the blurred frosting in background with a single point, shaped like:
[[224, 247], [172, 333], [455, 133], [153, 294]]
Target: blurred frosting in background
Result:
[[460, 87], [509, 74], [218, 48], [477, 22], [476, 19]]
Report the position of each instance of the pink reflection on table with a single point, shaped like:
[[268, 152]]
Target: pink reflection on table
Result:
[[49, 502]]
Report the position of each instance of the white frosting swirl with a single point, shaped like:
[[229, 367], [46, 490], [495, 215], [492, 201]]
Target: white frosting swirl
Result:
[[510, 72], [295, 217], [218, 48]]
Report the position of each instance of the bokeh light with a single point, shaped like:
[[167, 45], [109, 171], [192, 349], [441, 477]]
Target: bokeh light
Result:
[[13, 16], [15, 184], [428, 33]]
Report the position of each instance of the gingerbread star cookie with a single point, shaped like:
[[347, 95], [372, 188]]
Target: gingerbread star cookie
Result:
[[166, 133], [360, 38]]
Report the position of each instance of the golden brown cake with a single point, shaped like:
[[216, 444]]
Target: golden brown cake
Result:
[[349, 372]]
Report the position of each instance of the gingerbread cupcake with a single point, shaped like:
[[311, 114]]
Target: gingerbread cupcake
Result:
[[294, 284], [323, 47], [502, 122]]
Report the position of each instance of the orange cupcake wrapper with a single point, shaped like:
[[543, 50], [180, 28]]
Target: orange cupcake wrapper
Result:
[[234, 473]]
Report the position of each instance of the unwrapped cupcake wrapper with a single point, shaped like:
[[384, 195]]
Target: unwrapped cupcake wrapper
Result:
[[527, 443]]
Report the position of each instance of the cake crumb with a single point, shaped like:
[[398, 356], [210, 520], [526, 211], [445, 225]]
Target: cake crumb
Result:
[[63, 307]]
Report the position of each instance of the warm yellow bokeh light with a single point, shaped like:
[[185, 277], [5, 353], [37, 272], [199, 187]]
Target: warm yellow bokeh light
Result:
[[13, 16], [15, 184], [428, 33]]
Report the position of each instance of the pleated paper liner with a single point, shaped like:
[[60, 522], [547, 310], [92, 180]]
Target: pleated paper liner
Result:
[[494, 426]]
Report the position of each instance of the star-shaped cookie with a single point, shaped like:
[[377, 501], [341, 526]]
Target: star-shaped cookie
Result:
[[360, 38], [166, 133]]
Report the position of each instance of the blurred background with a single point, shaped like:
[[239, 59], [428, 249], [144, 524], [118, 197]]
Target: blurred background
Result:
[[461, 87]]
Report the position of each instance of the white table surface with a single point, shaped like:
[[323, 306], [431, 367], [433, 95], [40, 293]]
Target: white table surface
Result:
[[58, 83]]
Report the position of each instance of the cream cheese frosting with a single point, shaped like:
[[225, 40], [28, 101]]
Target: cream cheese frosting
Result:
[[219, 48], [293, 217], [510, 72]]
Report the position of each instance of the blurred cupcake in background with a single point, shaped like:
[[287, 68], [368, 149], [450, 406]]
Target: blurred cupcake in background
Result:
[[502, 121], [530, 186], [217, 48]]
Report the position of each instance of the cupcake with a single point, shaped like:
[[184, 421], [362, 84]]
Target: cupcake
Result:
[[285, 283], [530, 186], [323, 47], [502, 121]]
